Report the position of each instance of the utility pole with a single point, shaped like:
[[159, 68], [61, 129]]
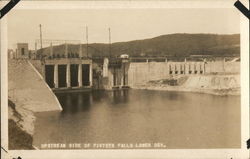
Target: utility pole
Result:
[[41, 42], [114, 69], [109, 43], [87, 41]]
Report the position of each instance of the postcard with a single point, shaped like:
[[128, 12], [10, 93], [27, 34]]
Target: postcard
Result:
[[125, 79]]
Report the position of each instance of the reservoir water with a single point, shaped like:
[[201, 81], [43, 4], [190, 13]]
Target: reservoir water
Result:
[[173, 119]]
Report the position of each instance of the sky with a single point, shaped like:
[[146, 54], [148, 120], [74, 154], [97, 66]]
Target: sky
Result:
[[125, 24]]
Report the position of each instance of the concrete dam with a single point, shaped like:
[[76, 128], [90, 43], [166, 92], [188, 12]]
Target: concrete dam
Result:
[[76, 71]]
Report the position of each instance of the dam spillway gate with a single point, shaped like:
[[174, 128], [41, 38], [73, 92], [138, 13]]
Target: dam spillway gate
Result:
[[68, 73]]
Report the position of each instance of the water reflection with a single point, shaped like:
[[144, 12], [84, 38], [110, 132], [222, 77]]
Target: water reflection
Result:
[[120, 96], [75, 102], [179, 120]]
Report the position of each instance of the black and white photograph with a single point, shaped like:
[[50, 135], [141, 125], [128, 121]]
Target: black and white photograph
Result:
[[124, 78]]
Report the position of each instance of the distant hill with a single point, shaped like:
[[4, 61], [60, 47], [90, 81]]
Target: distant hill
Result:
[[165, 45]]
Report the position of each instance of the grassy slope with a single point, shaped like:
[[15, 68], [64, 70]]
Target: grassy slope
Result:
[[165, 45]]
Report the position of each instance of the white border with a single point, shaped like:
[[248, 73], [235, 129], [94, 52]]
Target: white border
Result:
[[68, 4], [168, 153], [4, 86]]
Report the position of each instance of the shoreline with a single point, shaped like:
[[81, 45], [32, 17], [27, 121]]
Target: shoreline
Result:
[[21, 126], [219, 92], [222, 85]]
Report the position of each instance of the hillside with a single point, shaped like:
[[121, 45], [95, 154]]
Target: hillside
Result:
[[165, 45]]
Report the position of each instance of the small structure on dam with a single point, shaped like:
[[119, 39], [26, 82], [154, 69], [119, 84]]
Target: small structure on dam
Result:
[[115, 71]]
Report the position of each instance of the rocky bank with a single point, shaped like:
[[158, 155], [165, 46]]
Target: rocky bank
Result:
[[20, 127], [217, 84]]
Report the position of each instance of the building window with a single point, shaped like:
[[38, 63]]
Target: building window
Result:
[[22, 51]]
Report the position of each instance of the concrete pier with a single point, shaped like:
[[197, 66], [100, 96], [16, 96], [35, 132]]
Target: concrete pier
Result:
[[105, 67], [56, 76], [68, 75], [80, 75], [204, 66], [90, 75]]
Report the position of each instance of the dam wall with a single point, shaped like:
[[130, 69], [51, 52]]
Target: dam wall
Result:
[[38, 65], [76, 74], [28, 89], [222, 67], [213, 82], [139, 73]]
